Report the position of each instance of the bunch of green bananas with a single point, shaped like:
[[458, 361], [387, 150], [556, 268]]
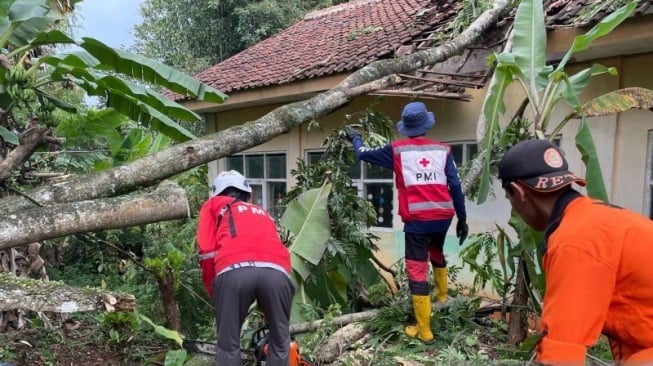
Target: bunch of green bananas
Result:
[[18, 85]]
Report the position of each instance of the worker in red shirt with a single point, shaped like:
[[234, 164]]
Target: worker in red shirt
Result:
[[429, 194], [243, 260], [598, 260]]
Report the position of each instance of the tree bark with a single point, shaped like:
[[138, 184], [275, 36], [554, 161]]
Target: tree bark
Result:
[[150, 170], [170, 309], [35, 295], [362, 316], [518, 321], [29, 141], [167, 202], [339, 342]]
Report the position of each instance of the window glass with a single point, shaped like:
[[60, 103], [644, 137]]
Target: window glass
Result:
[[377, 172], [457, 153], [276, 166], [235, 163], [254, 166], [266, 174], [380, 195], [313, 156], [463, 151], [257, 194], [276, 194], [472, 151], [355, 170]]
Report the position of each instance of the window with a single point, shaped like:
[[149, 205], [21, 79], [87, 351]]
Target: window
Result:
[[463, 151], [372, 182], [266, 174], [649, 176]]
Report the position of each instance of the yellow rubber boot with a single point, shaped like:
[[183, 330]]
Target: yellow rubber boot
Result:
[[440, 277], [421, 330]]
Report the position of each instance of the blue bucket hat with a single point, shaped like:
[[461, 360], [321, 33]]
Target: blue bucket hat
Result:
[[415, 120]]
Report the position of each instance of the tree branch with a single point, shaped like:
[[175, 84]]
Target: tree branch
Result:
[[167, 202], [35, 295], [29, 141], [148, 171]]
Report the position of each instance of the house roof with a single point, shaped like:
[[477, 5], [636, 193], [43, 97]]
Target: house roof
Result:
[[348, 36], [577, 13], [338, 39]]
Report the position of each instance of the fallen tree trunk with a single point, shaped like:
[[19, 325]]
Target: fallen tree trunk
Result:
[[42, 296], [167, 202], [339, 342], [151, 169], [363, 316]]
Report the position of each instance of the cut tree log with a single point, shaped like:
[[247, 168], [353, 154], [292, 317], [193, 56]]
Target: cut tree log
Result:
[[339, 342], [35, 295], [168, 201]]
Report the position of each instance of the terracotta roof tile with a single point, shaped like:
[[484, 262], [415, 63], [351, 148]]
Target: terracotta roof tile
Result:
[[336, 39], [351, 35], [574, 13]]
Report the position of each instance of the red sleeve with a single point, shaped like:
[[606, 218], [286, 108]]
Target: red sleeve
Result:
[[579, 289], [206, 241]]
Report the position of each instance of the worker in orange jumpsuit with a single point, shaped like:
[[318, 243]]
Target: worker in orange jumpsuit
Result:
[[598, 260], [243, 259]]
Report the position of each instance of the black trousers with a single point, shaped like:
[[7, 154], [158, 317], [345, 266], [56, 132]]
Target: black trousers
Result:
[[234, 292], [420, 249]]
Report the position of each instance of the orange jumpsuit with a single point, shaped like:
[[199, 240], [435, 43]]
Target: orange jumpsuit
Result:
[[598, 267]]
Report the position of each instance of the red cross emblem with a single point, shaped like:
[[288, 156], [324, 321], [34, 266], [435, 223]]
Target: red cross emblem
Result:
[[424, 162]]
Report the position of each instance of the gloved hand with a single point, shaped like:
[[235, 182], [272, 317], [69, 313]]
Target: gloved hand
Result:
[[351, 133], [461, 231]]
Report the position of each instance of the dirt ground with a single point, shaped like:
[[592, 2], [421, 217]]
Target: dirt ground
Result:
[[73, 346]]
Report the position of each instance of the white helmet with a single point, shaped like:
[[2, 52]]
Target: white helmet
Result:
[[230, 178]]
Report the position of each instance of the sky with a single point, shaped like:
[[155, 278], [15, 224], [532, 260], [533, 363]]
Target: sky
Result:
[[109, 21]]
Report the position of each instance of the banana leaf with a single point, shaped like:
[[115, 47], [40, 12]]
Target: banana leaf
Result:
[[22, 20], [617, 101], [8, 136], [307, 218], [529, 43], [604, 27], [492, 110], [593, 176]]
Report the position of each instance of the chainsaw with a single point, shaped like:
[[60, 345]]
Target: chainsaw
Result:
[[257, 352]]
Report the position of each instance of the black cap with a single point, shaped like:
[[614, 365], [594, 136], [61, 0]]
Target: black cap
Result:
[[539, 164]]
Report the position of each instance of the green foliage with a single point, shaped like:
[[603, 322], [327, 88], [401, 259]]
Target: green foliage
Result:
[[333, 274], [119, 326], [470, 10], [480, 255], [316, 339], [544, 86], [219, 28]]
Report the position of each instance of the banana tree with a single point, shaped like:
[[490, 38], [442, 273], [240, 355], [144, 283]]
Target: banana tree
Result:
[[544, 87], [131, 84]]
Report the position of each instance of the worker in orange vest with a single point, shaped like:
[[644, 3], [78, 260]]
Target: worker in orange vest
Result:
[[598, 260]]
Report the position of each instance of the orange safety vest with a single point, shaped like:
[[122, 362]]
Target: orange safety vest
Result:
[[419, 165], [230, 232], [598, 267]]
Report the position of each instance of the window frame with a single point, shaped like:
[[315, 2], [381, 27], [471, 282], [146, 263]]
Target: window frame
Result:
[[467, 155], [262, 182], [361, 188]]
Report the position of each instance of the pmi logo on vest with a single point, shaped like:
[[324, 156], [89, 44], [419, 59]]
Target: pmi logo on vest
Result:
[[426, 174], [423, 167], [246, 207]]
